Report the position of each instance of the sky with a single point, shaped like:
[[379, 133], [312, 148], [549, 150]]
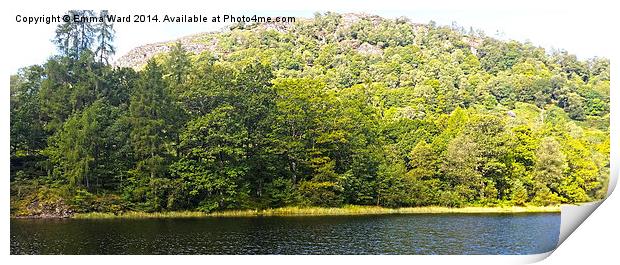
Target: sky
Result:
[[584, 30]]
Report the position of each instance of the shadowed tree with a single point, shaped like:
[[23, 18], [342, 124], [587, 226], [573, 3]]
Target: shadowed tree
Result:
[[76, 35], [105, 36]]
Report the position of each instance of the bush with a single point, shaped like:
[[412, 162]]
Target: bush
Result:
[[43, 201], [451, 199], [325, 194], [545, 197], [82, 201], [518, 193], [279, 192]]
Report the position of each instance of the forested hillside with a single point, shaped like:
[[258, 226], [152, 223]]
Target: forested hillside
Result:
[[338, 109]]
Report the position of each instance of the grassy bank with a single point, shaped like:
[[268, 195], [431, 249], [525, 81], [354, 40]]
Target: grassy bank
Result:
[[319, 211]]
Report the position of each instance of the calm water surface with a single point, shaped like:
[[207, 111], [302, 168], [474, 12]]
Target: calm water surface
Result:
[[376, 234]]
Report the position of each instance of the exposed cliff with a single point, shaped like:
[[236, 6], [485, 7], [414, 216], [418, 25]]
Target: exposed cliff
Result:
[[341, 32]]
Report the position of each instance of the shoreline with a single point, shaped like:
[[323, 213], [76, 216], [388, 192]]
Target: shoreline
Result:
[[311, 211]]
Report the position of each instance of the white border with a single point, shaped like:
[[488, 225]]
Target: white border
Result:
[[607, 8]]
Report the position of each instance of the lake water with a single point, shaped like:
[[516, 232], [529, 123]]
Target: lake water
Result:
[[372, 234]]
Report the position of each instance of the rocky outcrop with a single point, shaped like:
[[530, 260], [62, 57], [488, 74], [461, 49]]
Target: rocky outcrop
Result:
[[474, 43], [53, 207], [369, 49], [137, 57]]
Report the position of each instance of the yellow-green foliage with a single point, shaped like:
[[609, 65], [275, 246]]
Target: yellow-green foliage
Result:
[[321, 211]]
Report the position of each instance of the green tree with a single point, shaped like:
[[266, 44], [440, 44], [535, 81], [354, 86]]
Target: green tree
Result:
[[550, 164], [75, 35], [27, 134], [104, 31], [79, 150], [213, 158], [177, 64], [519, 193], [152, 123]]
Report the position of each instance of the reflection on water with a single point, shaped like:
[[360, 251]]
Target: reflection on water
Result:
[[378, 234]]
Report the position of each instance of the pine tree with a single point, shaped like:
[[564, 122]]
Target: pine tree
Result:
[[177, 65], [76, 35], [150, 115], [85, 32], [78, 150], [63, 37], [105, 36]]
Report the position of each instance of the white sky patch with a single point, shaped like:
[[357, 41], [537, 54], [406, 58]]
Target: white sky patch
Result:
[[580, 29]]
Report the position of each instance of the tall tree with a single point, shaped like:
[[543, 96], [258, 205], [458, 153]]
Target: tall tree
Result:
[[177, 65], [80, 149], [27, 134], [151, 115], [75, 35], [213, 158], [104, 31], [550, 163]]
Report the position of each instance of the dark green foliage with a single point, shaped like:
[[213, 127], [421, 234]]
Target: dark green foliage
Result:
[[104, 31], [75, 36], [27, 134], [86, 148], [152, 115]]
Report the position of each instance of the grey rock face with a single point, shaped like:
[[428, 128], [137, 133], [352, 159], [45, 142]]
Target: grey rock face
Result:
[[138, 56]]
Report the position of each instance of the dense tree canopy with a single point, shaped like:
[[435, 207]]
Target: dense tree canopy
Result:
[[334, 110]]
